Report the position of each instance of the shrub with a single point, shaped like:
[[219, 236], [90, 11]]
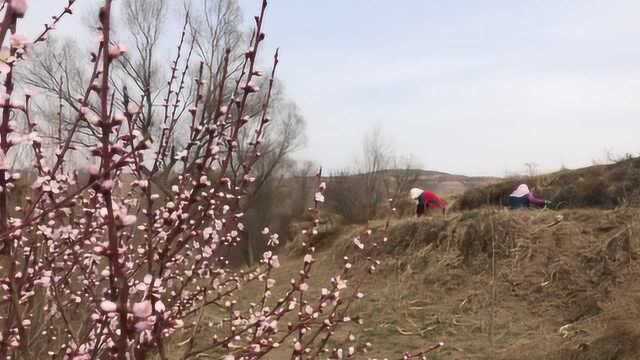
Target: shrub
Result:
[[497, 194], [349, 197]]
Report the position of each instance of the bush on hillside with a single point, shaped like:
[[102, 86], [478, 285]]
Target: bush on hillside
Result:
[[351, 197]]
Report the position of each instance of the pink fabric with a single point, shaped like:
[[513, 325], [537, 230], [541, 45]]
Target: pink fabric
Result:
[[534, 200], [521, 191]]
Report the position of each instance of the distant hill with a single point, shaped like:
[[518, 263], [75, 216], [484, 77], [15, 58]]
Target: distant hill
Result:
[[444, 183], [450, 184]]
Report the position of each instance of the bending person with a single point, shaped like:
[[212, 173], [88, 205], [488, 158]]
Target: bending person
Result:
[[523, 198], [427, 200]]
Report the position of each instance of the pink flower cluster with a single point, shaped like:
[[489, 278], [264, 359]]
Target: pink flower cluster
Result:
[[19, 6]]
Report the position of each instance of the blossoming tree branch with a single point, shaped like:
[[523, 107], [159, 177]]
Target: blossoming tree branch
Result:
[[112, 261]]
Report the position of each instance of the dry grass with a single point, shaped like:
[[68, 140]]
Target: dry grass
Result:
[[603, 186], [434, 284]]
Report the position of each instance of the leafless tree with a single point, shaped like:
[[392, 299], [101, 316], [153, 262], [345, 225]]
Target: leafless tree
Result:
[[211, 32], [532, 169], [57, 71], [285, 137], [358, 193], [302, 174], [215, 26], [404, 175], [377, 155], [144, 21]]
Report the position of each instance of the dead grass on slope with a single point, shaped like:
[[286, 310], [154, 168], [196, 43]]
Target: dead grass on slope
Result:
[[494, 283], [490, 284]]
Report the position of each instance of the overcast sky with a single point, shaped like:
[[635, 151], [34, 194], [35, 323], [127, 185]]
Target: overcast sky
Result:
[[472, 87]]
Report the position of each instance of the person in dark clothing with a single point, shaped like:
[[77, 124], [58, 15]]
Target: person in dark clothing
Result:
[[523, 198], [427, 200]]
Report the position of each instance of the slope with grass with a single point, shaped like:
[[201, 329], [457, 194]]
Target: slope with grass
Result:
[[495, 284], [504, 285], [602, 186]]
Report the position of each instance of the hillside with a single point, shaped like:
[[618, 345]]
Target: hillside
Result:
[[490, 283], [446, 184], [602, 186], [503, 285], [551, 284]]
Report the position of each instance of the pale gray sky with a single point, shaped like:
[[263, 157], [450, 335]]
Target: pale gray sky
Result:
[[472, 87]]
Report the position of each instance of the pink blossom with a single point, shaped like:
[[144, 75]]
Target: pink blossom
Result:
[[4, 68], [270, 283], [159, 306], [108, 306], [4, 163], [94, 169], [273, 240], [115, 51], [91, 117], [142, 309], [275, 262], [144, 325], [45, 281], [128, 220], [107, 184], [207, 232], [19, 41], [19, 6], [250, 87], [143, 184], [119, 117], [14, 343], [340, 284], [133, 108]]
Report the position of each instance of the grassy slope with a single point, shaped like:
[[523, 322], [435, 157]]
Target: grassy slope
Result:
[[438, 280], [436, 284], [603, 186]]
